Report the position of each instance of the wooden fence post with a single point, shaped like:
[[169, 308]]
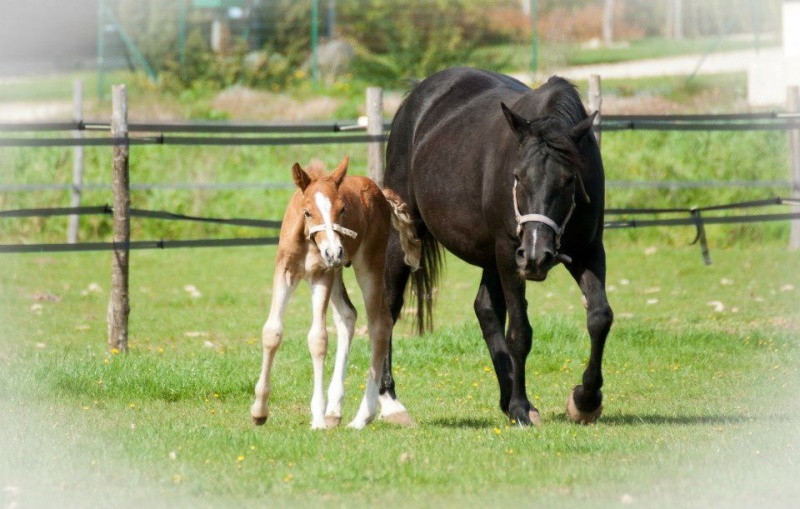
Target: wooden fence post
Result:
[[77, 161], [793, 106], [119, 305], [595, 103], [375, 128]]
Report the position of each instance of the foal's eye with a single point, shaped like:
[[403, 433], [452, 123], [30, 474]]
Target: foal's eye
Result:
[[307, 214]]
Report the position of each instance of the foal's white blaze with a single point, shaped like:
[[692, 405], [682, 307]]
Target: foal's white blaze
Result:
[[331, 243]]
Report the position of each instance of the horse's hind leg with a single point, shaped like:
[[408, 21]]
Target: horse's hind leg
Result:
[[395, 279], [585, 403], [318, 344], [379, 323], [344, 315], [271, 337]]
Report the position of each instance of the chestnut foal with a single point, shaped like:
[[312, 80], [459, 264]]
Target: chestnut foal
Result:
[[331, 222]]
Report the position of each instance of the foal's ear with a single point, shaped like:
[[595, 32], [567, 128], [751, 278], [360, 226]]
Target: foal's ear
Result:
[[582, 128], [300, 177], [517, 123], [340, 171]]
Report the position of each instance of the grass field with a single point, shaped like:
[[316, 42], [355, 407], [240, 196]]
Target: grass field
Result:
[[701, 372]]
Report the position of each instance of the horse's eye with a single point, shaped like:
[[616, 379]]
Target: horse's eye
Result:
[[307, 214]]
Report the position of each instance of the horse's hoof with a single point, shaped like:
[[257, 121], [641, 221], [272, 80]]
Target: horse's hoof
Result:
[[534, 419], [401, 418], [259, 421], [579, 416], [331, 421]]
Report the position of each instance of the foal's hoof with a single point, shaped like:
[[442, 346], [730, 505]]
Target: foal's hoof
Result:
[[401, 418], [331, 421], [580, 417], [259, 421]]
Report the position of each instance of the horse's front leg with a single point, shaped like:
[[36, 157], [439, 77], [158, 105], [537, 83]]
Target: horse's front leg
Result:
[[318, 343], [585, 403], [344, 315], [519, 338], [284, 283], [379, 324]]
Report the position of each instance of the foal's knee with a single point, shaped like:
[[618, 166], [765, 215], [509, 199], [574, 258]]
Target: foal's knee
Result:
[[318, 342], [271, 336]]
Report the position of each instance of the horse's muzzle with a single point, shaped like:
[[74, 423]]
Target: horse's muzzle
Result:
[[333, 257], [537, 253], [535, 267]]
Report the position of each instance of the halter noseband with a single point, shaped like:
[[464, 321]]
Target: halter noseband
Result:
[[539, 218], [331, 227]]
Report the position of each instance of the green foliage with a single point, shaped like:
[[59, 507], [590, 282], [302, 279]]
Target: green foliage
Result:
[[408, 39]]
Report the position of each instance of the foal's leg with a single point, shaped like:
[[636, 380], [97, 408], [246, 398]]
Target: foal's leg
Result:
[[283, 285], [396, 275], [379, 323], [584, 404], [344, 315], [318, 343]]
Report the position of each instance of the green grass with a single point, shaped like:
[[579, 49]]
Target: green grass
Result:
[[638, 156], [698, 406]]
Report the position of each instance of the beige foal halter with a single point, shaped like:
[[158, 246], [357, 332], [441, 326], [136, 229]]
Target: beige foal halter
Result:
[[331, 228]]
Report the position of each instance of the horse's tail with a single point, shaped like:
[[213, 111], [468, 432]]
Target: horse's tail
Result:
[[404, 223], [423, 252]]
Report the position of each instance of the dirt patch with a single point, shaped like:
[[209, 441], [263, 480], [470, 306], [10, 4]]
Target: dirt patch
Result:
[[35, 111], [247, 104]]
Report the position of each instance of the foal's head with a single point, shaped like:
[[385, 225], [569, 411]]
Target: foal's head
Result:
[[547, 184], [323, 208]]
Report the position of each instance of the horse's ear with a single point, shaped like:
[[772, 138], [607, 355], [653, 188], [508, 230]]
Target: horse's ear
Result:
[[520, 126], [582, 128], [340, 171], [300, 177]]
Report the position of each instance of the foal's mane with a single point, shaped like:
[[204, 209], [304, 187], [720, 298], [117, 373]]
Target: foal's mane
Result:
[[316, 169]]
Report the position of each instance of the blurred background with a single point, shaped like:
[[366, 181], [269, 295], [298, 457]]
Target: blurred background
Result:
[[279, 44], [312, 61]]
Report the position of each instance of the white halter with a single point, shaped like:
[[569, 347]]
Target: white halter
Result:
[[539, 218], [331, 227]]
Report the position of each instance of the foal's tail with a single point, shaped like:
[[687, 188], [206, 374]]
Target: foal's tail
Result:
[[422, 252], [403, 222]]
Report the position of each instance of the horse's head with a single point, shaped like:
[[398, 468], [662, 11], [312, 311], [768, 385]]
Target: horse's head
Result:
[[547, 182], [323, 207]]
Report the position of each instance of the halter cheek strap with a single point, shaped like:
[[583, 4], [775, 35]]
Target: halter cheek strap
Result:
[[539, 218], [331, 227]]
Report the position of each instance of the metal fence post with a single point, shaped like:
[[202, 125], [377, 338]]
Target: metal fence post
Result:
[[595, 103], [77, 162], [375, 128], [793, 106], [119, 305]]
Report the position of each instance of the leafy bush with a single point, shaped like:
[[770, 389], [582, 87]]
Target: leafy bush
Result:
[[406, 39]]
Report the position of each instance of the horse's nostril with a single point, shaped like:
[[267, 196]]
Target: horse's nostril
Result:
[[340, 254], [521, 261], [545, 257]]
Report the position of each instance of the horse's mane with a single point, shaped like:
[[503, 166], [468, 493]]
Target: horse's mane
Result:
[[559, 108]]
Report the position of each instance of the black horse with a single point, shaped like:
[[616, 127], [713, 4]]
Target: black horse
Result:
[[508, 179]]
